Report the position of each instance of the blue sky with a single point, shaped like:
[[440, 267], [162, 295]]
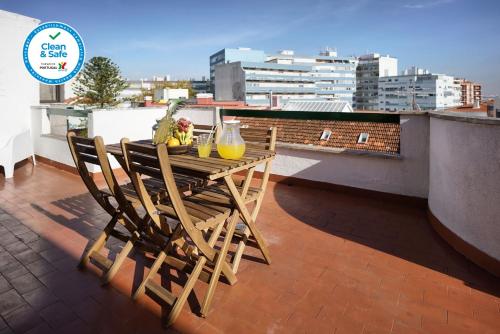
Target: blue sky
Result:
[[145, 38]]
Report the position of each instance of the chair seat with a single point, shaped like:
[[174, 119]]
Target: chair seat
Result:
[[156, 188], [129, 191], [205, 210], [252, 193]]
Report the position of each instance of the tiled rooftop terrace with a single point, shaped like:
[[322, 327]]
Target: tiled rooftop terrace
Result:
[[341, 264]]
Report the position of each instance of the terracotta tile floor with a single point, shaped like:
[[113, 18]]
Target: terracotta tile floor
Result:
[[341, 264]]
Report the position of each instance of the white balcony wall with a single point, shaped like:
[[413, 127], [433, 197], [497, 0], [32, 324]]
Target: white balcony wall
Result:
[[408, 175], [136, 124], [464, 187], [18, 89], [46, 145], [112, 125]]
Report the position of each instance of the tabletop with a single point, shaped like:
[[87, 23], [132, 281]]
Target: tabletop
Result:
[[213, 167]]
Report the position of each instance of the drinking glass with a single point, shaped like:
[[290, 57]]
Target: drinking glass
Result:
[[204, 145]]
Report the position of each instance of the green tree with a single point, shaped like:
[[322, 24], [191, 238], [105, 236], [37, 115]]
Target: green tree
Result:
[[99, 82]]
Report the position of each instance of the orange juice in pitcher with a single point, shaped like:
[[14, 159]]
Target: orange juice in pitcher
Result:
[[230, 144]]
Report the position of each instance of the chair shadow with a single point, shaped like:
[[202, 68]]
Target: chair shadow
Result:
[[88, 219], [393, 227]]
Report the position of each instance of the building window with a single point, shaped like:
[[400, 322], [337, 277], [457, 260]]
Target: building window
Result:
[[363, 138]]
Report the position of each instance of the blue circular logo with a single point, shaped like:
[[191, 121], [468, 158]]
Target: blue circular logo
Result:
[[53, 53]]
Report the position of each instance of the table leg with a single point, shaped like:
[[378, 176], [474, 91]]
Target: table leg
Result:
[[247, 218]]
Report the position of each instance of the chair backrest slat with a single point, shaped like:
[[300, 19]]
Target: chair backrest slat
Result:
[[145, 160], [86, 149], [142, 148], [93, 151], [260, 137], [146, 170], [200, 129], [89, 158], [83, 140]]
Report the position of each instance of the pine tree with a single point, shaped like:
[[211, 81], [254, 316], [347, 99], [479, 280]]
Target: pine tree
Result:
[[99, 82]]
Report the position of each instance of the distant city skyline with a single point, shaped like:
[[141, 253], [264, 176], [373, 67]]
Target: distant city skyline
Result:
[[454, 37]]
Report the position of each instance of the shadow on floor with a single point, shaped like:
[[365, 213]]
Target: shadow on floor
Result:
[[42, 290], [82, 214], [389, 226]]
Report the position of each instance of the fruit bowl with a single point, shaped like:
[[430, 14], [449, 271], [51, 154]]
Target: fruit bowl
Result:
[[179, 149]]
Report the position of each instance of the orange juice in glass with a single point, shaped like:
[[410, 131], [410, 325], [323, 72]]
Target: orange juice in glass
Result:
[[204, 145]]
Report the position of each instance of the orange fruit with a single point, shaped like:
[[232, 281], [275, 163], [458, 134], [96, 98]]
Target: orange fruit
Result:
[[173, 142]]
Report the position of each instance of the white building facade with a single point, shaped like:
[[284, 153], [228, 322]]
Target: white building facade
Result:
[[166, 94], [136, 87], [418, 90], [370, 68], [286, 76]]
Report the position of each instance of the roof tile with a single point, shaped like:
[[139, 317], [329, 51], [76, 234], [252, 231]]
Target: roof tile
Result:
[[383, 137]]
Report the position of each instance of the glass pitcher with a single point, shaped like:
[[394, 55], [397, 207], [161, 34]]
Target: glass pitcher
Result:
[[230, 145]]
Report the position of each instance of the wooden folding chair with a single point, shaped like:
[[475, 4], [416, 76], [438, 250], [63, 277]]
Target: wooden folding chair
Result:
[[200, 129], [201, 220], [92, 151], [259, 138]]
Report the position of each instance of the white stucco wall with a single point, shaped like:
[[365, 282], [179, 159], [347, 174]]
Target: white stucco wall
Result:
[[464, 174], [51, 147], [136, 123], [18, 89], [405, 176], [112, 125]]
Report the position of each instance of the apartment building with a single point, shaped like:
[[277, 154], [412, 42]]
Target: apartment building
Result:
[[471, 91], [286, 76], [417, 89], [200, 86], [370, 68], [229, 55]]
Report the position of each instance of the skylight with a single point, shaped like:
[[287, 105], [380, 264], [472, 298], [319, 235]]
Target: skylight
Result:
[[363, 138], [326, 135]]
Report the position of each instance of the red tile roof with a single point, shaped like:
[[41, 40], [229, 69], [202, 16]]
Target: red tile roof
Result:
[[383, 137]]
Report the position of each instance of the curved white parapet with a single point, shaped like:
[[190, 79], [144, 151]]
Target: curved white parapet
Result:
[[464, 185]]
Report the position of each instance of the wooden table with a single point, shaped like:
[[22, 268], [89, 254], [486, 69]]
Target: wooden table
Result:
[[213, 168]]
